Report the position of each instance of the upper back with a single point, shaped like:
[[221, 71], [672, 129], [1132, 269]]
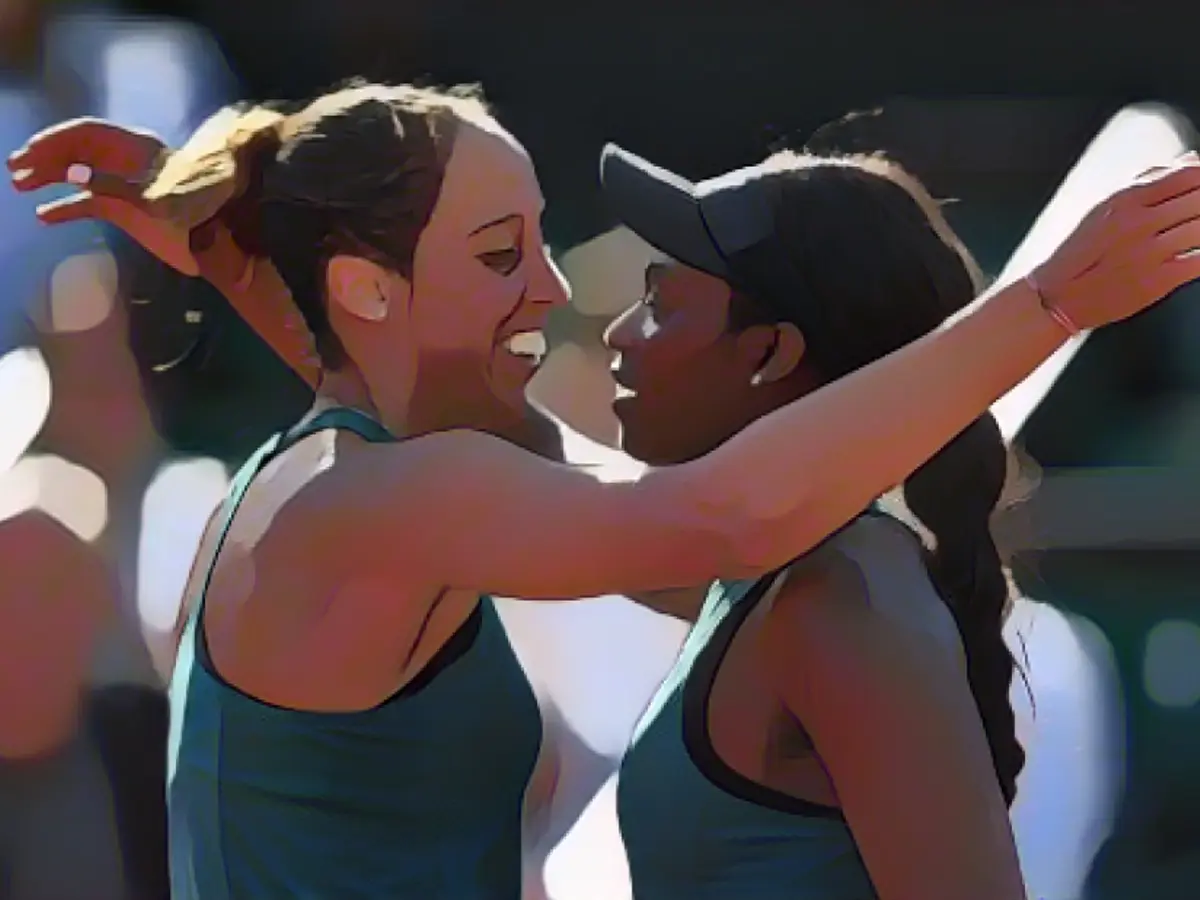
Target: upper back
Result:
[[417, 793]]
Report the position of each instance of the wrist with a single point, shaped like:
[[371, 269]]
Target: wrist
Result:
[[1017, 316], [1057, 314]]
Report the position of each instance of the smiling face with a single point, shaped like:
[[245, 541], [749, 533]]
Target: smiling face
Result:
[[685, 379], [457, 342], [483, 284]]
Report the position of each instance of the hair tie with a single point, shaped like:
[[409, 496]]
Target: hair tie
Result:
[[1052, 309]]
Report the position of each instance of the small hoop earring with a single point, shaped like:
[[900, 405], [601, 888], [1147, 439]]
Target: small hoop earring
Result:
[[756, 379]]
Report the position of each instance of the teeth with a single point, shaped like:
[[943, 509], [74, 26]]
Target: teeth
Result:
[[527, 343], [623, 391]]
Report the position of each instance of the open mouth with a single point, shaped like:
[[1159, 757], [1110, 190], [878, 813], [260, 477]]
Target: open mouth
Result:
[[623, 387], [529, 345]]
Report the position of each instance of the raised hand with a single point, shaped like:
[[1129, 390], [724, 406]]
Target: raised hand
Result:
[[113, 167], [110, 164], [1131, 250]]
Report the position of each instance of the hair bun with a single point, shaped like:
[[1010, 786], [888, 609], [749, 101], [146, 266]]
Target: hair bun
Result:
[[217, 165]]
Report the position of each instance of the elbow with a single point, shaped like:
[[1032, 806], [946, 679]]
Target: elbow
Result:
[[759, 532]]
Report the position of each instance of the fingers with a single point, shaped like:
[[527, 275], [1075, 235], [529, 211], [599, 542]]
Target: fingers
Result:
[[114, 187], [102, 145], [1175, 273], [1163, 185], [1169, 214], [101, 193], [1180, 240], [68, 209]]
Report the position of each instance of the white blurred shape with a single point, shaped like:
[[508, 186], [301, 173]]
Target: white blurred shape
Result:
[[1171, 663], [83, 289], [75, 496], [589, 863], [25, 399], [1133, 141], [175, 509], [1070, 729]]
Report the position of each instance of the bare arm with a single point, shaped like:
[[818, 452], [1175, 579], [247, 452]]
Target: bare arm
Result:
[[477, 513], [911, 764]]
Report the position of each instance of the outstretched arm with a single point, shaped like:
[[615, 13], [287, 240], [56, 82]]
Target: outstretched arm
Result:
[[477, 513]]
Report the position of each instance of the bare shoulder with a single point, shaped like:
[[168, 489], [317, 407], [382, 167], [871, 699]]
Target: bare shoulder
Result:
[[390, 503], [894, 722], [850, 627]]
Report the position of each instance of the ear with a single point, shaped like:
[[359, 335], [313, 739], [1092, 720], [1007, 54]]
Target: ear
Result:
[[773, 351], [364, 289]]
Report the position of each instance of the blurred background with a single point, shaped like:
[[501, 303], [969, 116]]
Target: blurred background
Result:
[[129, 393]]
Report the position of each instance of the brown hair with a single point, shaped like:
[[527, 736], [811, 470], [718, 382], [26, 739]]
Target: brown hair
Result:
[[357, 170], [870, 264]]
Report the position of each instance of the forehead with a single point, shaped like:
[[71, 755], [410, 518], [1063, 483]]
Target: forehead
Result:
[[488, 177], [682, 282]]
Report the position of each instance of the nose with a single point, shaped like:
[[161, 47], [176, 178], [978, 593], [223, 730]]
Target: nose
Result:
[[549, 287], [625, 330]]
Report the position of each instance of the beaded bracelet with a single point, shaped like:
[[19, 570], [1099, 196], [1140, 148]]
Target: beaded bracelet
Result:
[[1052, 309]]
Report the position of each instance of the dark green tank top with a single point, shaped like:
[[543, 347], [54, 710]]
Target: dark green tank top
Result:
[[418, 798], [693, 828]]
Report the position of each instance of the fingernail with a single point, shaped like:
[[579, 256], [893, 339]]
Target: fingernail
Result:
[[79, 174]]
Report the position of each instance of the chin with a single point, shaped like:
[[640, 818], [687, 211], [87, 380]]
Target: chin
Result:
[[652, 444], [636, 442]]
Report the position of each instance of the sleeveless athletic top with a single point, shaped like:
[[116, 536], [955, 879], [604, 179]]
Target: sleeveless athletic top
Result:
[[418, 798], [693, 827]]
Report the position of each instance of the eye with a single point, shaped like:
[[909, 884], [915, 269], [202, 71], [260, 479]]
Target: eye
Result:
[[503, 261]]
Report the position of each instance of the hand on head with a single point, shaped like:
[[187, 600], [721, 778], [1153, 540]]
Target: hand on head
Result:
[[173, 203]]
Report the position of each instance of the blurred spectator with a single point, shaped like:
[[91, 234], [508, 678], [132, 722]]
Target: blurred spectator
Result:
[[84, 724]]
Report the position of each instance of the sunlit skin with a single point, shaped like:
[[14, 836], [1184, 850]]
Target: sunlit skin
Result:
[[433, 353]]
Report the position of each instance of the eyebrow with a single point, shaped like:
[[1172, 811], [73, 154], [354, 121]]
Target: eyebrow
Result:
[[503, 220]]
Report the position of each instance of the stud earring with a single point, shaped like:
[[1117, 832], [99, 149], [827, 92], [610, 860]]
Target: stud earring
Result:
[[380, 311]]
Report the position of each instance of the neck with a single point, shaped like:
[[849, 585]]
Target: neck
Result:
[[344, 389]]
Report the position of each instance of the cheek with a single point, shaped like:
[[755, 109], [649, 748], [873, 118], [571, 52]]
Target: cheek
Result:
[[462, 306], [673, 351], [688, 372]]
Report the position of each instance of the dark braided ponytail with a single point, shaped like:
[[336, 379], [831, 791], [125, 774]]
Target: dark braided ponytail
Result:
[[953, 495], [869, 264]]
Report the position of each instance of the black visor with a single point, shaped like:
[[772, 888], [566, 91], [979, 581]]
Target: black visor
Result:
[[701, 225]]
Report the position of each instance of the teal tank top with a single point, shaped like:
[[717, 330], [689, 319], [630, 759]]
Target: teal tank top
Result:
[[694, 829], [418, 798]]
